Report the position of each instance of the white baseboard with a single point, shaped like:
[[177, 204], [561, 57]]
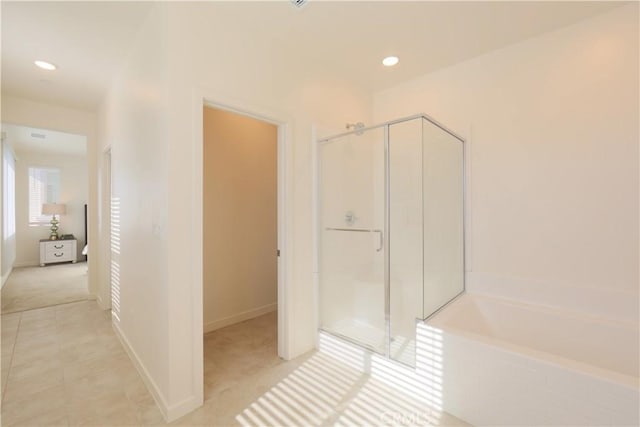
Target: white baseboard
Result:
[[146, 378], [240, 317], [181, 409], [6, 276], [169, 413], [100, 302]]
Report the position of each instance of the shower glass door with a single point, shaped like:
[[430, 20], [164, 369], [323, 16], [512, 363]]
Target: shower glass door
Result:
[[406, 238], [391, 237], [352, 238]]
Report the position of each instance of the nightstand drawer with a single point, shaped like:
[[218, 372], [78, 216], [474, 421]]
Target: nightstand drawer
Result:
[[59, 255], [57, 246], [52, 251]]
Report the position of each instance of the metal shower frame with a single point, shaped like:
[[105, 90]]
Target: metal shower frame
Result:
[[386, 236]]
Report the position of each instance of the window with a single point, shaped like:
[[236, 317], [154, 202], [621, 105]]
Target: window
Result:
[[44, 187]]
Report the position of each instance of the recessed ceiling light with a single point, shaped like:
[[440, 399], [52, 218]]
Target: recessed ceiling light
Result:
[[390, 61], [45, 65]]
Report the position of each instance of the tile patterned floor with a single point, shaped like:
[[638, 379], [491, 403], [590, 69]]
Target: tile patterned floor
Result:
[[63, 365], [247, 384]]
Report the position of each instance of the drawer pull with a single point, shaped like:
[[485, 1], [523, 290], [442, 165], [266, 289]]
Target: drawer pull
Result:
[[58, 247], [58, 255]]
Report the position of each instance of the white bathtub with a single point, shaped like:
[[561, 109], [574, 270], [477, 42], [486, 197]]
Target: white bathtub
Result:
[[508, 363]]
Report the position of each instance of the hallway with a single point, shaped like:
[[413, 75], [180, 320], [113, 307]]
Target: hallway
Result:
[[63, 365]]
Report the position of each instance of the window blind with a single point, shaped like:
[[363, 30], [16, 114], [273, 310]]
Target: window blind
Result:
[[44, 187]]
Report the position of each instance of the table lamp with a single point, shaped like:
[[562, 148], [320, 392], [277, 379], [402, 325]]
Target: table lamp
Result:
[[53, 209]]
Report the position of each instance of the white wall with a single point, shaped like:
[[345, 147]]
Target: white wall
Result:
[[25, 112], [553, 127], [133, 123], [73, 193]]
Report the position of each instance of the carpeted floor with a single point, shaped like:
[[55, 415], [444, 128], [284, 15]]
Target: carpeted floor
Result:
[[34, 287]]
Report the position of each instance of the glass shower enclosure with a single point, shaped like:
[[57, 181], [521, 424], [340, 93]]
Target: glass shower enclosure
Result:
[[391, 231]]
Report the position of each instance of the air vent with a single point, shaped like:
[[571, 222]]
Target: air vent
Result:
[[38, 135], [299, 3]]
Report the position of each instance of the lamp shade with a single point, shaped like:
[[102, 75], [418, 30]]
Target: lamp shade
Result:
[[53, 209]]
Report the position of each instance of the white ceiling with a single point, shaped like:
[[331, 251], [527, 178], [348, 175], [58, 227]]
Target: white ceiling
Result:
[[346, 39], [86, 40], [44, 141], [349, 39]]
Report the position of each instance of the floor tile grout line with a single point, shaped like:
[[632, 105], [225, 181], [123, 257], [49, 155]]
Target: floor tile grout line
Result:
[[135, 409], [13, 350], [65, 382], [48, 306]]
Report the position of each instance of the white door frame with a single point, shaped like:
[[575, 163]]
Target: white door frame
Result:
[[104, 278], [284, 124]]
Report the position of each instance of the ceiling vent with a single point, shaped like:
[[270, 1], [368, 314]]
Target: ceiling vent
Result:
[[299, 3], [38, 135]]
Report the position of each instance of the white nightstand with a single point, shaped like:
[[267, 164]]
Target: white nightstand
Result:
[[57, 251]]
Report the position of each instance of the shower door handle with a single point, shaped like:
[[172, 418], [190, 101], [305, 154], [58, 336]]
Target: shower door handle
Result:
[[362, 230]]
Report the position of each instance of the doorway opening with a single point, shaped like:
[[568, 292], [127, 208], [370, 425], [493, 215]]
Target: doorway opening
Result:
[[44, 231], [241, 235]]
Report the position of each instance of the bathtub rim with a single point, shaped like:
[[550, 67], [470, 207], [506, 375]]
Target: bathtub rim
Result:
[[440, 321]]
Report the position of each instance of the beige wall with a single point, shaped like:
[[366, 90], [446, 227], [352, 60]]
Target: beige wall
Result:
[[73, 193], [240, 218]]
